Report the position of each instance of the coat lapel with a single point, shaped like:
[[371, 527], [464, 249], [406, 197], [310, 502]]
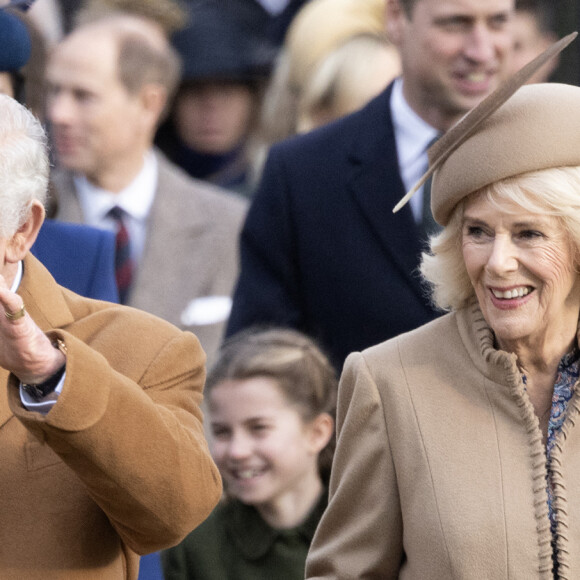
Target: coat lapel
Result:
[[175, 235], [376, 186]]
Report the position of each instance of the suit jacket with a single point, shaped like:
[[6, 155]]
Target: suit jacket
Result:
[[119, 466], [79, 257], [321, 249], [190, 262], [440, 469]]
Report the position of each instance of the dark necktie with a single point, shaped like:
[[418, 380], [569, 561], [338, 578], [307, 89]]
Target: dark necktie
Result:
[[428, 223], [124, 265]]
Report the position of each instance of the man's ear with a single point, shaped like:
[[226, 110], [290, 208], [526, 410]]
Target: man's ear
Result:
[[154, 101], [395, 18], [21, 242], [321, 430]]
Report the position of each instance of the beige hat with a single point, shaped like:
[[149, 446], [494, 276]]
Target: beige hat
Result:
[[537, 128], [322, 25], [514, 130]]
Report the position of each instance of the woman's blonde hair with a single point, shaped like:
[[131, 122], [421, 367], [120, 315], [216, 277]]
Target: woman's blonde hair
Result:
[[346, 79], [297, 365], [554, 192]]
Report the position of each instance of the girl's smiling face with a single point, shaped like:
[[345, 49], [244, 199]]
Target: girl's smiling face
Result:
[[262, 446], [523, 270]]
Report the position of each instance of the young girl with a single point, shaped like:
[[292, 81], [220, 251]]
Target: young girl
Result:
[[271, 403]]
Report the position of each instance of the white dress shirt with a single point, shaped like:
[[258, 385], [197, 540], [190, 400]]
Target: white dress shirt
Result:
[[412, 137], [136, 200]]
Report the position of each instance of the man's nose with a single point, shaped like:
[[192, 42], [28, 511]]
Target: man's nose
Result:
[[59, 107], [480, 44]]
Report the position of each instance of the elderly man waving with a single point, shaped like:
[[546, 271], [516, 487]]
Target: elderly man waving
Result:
[[101, 438]]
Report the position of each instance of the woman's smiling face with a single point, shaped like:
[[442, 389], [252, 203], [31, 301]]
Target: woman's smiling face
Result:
[[522, 268]]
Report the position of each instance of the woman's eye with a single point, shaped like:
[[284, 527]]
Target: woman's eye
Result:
[[474, 231], [530, 234]]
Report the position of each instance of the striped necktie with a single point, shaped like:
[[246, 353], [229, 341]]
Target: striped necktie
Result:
[[124, 265]]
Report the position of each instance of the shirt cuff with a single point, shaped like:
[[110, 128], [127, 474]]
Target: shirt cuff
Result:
[[44, 405]]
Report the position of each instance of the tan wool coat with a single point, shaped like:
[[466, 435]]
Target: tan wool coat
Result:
[[440, 468], [119, 466]]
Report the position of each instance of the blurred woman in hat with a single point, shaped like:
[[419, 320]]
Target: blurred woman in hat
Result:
[[15, 53], [213, 115], [458, 444]]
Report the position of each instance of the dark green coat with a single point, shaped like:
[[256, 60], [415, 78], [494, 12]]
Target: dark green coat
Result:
[[235, 543]]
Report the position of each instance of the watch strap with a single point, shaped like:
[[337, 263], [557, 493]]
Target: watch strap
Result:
[[41, 390]]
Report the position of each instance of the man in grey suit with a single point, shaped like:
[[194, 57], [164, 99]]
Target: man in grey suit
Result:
[[109, 82]]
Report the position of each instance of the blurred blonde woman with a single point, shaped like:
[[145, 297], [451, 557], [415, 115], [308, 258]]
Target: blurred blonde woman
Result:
[[346, 79], [318, 28]]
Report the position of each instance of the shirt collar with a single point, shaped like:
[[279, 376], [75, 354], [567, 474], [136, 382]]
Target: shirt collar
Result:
[[412, 138], [17, 278], [412, 134], [274, 7], [136, 199]]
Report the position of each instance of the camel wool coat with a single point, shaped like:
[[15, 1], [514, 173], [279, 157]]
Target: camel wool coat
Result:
[[440, 469], [119, 466]]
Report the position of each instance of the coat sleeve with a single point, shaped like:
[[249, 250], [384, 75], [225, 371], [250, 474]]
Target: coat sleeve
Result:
[[267, 290], [134, 439], [360, 533]]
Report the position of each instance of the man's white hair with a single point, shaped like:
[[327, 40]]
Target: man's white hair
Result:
[[24, 164]]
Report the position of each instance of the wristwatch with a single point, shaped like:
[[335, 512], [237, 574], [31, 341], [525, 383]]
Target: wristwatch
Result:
[[41, 390]]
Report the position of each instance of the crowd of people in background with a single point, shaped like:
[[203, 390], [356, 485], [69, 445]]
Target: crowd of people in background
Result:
[[231, 167]]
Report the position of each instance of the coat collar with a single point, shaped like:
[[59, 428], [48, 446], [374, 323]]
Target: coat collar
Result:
[[46, 305], [254, 537], [168, 210], [500, 368], [43, 297], [497, 365]]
